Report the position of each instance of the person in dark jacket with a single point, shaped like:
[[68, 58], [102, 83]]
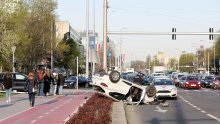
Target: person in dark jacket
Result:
[[48, 79], [60, 83], [7, 82], [31, 87]]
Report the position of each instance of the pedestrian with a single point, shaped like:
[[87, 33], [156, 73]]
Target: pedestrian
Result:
[[54, 84], [60, 83], [31, 87], [40, 81], [7, 82], [48, 79]]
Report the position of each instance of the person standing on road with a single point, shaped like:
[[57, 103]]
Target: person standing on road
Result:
[[48, 78], [7, 82], [40, 81], [60, 83], [31, 87]]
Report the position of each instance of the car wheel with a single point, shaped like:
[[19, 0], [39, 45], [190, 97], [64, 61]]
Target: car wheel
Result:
[[114, 76], [87, 85], [151, 91]]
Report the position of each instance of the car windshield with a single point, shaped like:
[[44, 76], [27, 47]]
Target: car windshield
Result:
[[163, 82], [71, 78], [208, 78], [217, 78], [190, 78], [179, 76]]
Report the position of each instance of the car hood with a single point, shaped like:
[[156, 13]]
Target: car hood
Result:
[[164, 87]]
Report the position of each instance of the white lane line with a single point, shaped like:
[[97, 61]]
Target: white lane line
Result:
[[52, 110], [195, 106], [56, 107], [33, 121], [40, 117], [47, 113], [199, 109], [212, 116], [203, 111]]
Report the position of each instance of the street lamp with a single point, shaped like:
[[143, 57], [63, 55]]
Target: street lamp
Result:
[[13, 59]]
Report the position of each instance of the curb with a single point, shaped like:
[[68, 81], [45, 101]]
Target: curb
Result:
[[118, 113]]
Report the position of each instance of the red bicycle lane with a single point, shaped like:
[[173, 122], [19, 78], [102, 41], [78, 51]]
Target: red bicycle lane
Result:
[[52, 112]]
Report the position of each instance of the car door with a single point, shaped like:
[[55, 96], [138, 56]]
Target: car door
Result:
[[19, 81]]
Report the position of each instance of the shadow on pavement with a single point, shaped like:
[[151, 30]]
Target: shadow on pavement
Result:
[[6, 105]]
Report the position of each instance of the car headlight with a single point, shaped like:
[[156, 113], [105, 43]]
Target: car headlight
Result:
[[199, 82], [206, 82], [187, 82]]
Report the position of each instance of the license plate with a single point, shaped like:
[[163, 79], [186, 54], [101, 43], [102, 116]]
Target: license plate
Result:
[[193, 85]]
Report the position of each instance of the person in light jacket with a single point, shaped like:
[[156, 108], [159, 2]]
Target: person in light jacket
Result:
[[31, 87]]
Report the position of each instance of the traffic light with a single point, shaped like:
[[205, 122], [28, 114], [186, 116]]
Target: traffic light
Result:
[[173, 35], [211, 31]]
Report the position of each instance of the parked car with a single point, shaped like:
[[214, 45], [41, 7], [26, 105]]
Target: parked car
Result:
[[70, 82], [191, 82], [207, 81], [176, 78], [216, 83], [165, 88], [19, 81], [118, 89]]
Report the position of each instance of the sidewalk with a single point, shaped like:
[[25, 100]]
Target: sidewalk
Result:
[[51, 109]]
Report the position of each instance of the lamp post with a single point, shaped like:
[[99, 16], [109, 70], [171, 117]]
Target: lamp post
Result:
[[13, 59]]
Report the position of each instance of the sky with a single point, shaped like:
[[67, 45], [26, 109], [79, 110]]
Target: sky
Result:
[[147, 16]]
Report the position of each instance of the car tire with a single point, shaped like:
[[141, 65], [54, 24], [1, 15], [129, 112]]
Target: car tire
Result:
[[151, 91], [114, 76]]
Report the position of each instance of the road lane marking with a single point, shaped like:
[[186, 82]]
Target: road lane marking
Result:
[[199, 109], [40, 117], [212, 116], [51, 110], [33, 121], [47, 113]]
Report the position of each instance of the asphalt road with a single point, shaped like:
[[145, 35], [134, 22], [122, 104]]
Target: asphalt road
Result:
[[192, 107]]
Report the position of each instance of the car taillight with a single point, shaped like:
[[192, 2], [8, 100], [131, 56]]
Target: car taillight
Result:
[[103, 84]]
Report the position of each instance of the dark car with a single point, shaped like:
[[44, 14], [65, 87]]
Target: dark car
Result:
[[70, 82], [19, 81], [207, 81]]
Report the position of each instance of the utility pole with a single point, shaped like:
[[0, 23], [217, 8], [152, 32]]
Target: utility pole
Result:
[[87, 38], [208, 62], [105, 36], [92, 63]]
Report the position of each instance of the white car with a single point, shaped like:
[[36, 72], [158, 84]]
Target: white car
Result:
[[165, 88], [120, 89]]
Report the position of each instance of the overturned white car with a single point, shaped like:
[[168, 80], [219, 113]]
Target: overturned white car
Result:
[[119, 89]]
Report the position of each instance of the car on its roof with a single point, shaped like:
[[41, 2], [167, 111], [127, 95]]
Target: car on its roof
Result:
[[117, 88]]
